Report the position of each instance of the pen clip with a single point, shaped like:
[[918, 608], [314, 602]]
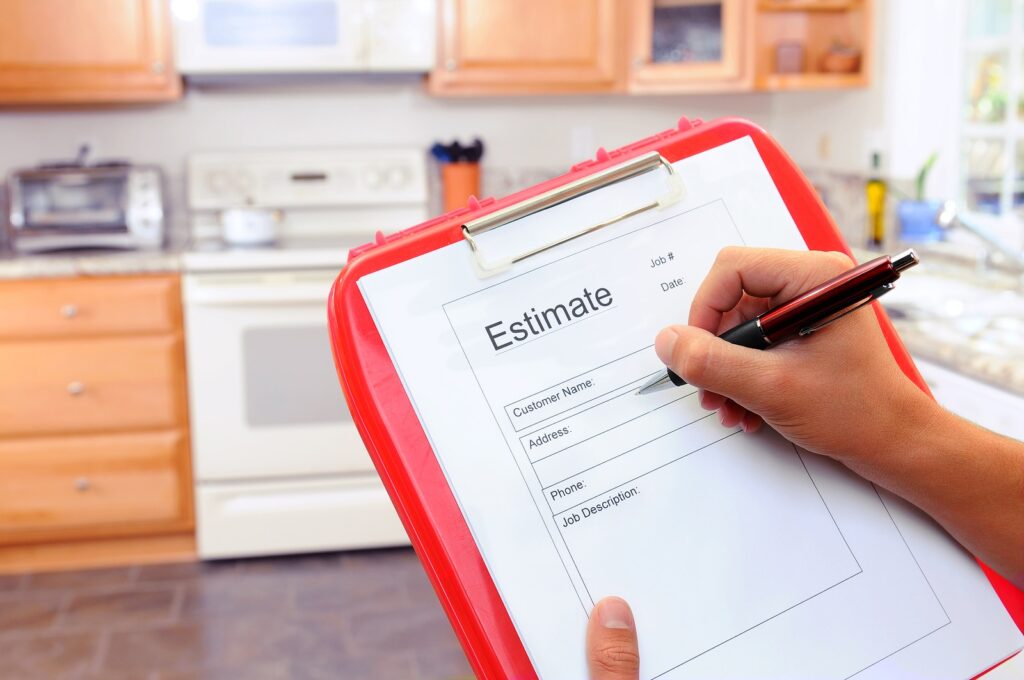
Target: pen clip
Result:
[[872, 296]]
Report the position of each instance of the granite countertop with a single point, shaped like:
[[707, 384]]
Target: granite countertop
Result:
[[982, 360], [968, 319], [89, 263]]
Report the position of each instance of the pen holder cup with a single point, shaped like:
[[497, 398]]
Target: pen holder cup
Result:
[[459, 181]]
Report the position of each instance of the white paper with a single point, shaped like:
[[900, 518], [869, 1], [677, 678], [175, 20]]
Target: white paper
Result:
[[740, 555]]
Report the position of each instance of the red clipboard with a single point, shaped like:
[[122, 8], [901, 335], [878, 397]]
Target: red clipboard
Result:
[[396, 441]]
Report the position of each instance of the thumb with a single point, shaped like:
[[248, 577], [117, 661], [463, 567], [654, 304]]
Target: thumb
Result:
[[612, 651], [703, 360]]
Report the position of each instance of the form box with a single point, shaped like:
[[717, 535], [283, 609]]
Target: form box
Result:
[[713, 545], [630, 451], [581, 389], [587, 427]]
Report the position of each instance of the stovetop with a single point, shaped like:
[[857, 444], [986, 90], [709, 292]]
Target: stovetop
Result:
[[292, 253]]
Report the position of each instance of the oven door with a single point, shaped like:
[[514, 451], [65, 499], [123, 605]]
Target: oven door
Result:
[[264, 395]]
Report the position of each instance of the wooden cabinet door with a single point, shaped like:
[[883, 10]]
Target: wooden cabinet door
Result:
[[92, 385], [526, 46], [87, 307], [67, 487], [78, 51], [689, 45]]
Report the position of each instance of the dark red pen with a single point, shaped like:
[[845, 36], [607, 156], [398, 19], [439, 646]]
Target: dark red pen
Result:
[[809, 311]]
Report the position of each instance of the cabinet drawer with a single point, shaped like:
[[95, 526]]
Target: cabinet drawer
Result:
[[63, 386], [89, 306], [77, 487]]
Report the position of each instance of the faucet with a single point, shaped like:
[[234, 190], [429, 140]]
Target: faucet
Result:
[[948, 218]]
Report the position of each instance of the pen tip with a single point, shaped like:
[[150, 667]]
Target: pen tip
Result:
[[658, 382]]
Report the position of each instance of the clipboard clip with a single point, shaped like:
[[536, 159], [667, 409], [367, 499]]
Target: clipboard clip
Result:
[[618, 173], [872, 296]]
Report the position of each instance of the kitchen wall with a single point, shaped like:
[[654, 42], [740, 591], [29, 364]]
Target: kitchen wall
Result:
[[520, 132], [528, 138]]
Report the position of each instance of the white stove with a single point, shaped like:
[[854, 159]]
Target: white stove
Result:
[[292, 253], [279, 466]]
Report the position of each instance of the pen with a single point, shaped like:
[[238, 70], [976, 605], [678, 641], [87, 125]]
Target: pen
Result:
[[808, 311]]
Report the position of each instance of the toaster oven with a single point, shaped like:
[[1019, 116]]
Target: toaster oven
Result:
[[60, 208]]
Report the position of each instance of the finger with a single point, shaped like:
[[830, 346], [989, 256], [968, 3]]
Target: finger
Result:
[[731, 413], [710, 401], [747, 376], [612, 649], [751, 422], [760, 272], [747, 308]]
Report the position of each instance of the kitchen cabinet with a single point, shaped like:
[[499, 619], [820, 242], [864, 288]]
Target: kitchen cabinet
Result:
[[94, 436], [527, 46], [86, 51], [689, 44], [651, 46], [91, 385], [54, 487], [829, 44]]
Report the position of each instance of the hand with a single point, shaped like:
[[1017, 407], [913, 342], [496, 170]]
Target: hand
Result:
[[824, 392], [612, 651], [840, 393]]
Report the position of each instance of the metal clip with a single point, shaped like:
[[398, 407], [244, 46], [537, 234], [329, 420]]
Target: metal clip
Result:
[[567, 192], [872, 296]]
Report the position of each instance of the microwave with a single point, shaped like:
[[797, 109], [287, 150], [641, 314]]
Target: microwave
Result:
[[238, 37], [119, 206]]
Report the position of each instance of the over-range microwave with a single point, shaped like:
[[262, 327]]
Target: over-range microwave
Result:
[[231, 37]]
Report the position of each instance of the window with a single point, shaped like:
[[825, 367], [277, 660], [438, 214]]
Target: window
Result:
[[992, 140]]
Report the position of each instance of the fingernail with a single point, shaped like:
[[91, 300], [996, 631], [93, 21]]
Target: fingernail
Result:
[[664, 343], [615, 613]]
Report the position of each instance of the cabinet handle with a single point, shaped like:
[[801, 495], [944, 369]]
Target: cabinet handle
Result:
[[69, 311], [82, 484], [75, 388]]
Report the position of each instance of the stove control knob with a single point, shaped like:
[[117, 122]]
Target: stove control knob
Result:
[[373, 179], [244, 182], [216, 182], [398, 177]]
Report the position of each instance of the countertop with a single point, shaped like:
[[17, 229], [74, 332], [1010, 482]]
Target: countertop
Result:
[[210, 255], [89, 263], [967, 319]]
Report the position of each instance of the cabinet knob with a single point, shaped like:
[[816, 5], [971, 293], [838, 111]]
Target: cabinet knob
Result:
[[450, 65], [82, 484], [69, 311], [157, 67], [75, 388]]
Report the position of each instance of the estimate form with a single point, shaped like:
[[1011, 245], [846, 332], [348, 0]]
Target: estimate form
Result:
[[741, 555]]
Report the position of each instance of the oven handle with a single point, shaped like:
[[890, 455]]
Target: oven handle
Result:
[[221, 295]]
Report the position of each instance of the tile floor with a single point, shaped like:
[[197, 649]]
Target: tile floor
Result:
[[369, 614]]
